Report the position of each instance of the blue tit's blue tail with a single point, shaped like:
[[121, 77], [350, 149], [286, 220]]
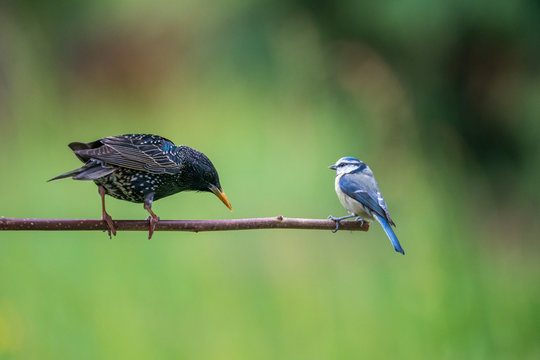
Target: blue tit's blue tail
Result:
[[390, 233]]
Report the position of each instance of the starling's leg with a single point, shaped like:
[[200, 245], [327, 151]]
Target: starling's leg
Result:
[[153, 218], [337, 220], [104, 216]]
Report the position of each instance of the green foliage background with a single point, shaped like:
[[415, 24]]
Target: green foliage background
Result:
[[440, 99]]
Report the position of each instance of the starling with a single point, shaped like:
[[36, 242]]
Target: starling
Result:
[[142, 168]]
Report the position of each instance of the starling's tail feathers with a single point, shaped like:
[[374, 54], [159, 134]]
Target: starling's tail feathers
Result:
[[390, 233], [84, 146], [90, 171], [93, 173], [66, 175]]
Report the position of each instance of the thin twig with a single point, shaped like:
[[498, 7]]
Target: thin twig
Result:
[[278, 222]]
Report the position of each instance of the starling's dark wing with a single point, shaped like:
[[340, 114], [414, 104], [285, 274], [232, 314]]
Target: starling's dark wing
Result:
[[149, 153], [364, 189]]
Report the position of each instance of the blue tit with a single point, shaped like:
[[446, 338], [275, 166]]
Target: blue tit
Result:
[[359, 193]]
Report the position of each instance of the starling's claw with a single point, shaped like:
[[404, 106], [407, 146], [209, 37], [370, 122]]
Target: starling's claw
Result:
[[108, 220], [153, 218], [104, 216], [153, 222]]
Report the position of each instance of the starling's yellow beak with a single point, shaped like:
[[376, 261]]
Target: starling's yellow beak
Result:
[[221, 195]]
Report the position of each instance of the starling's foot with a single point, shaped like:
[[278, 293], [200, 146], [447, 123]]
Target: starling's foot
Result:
[[153, 222], [108, 220], [104, 216]]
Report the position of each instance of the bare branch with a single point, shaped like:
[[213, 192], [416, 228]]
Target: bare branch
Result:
[[278, 222]]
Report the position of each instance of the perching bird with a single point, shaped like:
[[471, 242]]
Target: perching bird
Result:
[[359, 193], [142, 168]]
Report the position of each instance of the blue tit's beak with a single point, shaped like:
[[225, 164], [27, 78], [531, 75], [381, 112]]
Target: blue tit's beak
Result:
[[332, 167]]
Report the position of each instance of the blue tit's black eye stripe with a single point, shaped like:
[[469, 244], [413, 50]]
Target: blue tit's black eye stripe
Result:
[[348, 161], [352, 163]]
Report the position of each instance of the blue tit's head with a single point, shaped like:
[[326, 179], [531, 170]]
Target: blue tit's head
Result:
[[347, 165]]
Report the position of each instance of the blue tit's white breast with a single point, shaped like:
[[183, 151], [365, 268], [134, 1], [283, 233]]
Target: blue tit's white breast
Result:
[[353, 206]]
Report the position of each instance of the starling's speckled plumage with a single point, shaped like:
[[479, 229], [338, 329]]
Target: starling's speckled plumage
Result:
[[142, 168]]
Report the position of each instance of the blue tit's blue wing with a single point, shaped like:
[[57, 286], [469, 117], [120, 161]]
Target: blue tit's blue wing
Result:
[[383, 206], [364, 189]]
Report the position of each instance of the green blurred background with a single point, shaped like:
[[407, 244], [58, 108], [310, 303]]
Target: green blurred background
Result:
[[441, 99]]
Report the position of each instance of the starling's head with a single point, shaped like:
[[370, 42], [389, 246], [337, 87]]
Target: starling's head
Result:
[[205, 176]]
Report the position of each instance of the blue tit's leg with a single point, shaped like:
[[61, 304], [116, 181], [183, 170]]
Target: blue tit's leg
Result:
[[340, 218], [337, 220], [358, 218]]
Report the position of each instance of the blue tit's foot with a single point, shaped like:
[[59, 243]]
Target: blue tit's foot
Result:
[[337, 226], [337, 220], [358, 218]]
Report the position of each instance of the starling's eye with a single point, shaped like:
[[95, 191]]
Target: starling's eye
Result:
[[210, 178]]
